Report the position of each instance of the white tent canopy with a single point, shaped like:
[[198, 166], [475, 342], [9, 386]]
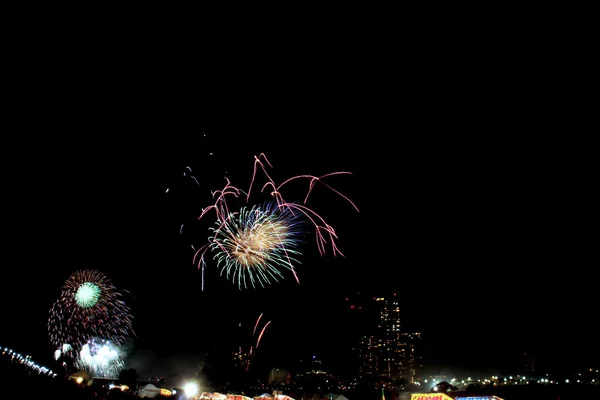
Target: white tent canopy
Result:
[[148, 391]]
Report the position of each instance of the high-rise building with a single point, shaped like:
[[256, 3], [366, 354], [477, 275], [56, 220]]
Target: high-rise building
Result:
[[278, 375], [528, 363], [389, 337], [412, 362], [368, 363], [387, 353]]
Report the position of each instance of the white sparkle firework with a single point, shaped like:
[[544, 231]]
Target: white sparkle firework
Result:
[[101, 358]]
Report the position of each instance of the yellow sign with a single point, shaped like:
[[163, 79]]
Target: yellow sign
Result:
[[430, 396]]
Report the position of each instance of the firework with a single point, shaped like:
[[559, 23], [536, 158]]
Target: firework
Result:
[[89, 306], [101, 358], [249, 356], [66, 348], [60, 336], [254, 245]]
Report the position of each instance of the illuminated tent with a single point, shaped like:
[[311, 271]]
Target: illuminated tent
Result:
[[213, 396], [338, 397], [149, 391]]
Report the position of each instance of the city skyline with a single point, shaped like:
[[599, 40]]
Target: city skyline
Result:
[[464, 239], [332, 356]]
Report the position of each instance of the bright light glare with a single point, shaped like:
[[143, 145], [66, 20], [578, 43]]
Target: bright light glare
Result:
[[191, 389]]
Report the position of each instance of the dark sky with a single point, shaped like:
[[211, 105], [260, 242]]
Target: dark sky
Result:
[[474, 209]]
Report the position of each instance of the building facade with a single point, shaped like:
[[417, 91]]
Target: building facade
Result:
[[387, 353]]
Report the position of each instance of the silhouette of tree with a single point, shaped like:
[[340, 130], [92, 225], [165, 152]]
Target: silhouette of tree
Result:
[[475, 388], [444, 386], [129, 377]]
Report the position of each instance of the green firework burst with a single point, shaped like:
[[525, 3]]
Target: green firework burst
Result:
[[87, 295]]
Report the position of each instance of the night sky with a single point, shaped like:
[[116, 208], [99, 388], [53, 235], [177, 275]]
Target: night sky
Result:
[[474, 216]]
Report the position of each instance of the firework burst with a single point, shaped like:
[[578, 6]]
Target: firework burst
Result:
[[101, 358], [89, 306], [254, 245]]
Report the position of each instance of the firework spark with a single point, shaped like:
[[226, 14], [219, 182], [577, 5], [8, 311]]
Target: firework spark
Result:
[[89, 306], [253, 245], [101, 358]]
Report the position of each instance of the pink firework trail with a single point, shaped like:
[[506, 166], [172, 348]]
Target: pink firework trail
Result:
[[325, 233], [261, 333], [256, 325], [252, 350]]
